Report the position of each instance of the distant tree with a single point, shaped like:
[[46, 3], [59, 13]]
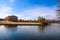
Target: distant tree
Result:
[[41, 19]]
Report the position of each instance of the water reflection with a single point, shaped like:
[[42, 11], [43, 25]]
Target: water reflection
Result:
[[22, 31], [41, 28], [10, 26], [11, 31]]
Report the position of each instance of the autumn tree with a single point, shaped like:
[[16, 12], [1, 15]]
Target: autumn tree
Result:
[[41, 19]]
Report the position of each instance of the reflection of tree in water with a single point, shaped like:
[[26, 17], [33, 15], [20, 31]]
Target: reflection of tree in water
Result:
[[42, 28]]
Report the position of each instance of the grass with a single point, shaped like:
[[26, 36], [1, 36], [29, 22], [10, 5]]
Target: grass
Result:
[[21, 23]]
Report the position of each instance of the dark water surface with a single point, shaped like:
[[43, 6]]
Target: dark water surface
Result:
[[29, 32]]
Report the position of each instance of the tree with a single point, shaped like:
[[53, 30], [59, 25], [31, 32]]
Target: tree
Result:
[[41, 19]]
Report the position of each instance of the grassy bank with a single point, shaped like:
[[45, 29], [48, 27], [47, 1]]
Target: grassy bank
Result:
[[20, 23]]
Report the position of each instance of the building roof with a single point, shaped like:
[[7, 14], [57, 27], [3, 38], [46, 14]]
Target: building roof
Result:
[[12, 16]]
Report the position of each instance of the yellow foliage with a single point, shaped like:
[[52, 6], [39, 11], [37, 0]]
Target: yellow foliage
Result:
[[41, 19]]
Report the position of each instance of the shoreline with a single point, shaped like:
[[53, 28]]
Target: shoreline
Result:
[[20, 23]]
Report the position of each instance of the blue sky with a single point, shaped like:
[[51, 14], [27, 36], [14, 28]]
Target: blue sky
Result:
[[28, 9]]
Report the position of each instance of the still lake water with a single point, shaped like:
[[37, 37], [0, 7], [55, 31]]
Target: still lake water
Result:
[[8, 32]]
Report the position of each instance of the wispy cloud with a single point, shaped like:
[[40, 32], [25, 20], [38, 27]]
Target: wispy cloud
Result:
[[5, 11], [31, 13], [11, 1], [47, 12]]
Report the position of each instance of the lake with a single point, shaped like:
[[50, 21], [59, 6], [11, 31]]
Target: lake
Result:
[[29, 32]]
